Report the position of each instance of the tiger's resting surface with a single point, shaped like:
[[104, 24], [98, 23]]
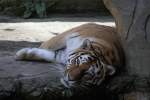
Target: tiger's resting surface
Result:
[[20, 80], [26, 80]]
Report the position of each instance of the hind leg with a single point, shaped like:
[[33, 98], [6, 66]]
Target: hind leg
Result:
[[35, 54]]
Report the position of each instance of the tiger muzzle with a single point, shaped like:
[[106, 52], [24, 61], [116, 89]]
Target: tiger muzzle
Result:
[[76, 72]]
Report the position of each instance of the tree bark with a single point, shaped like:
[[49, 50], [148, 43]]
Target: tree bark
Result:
[[132, 19]]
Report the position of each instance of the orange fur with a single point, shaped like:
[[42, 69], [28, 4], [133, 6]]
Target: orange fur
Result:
[[104, 35]]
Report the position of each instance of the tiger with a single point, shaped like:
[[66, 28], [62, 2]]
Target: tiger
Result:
[[90, 53]]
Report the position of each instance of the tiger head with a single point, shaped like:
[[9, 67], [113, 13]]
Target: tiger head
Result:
[[86, 65]]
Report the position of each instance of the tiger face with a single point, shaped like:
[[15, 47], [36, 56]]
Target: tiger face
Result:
[[85, 65]]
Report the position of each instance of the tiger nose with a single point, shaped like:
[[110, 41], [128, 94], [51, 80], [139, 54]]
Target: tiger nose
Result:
[[74, 74]]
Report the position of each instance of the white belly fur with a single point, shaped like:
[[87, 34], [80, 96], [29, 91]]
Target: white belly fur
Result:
[[73, 42]]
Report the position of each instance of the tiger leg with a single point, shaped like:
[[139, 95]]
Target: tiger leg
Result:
[[36, 54]]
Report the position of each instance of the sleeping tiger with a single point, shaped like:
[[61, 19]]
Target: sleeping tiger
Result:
[[90, 52]]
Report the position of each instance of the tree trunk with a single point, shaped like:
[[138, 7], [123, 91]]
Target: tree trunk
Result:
[[132, 19]]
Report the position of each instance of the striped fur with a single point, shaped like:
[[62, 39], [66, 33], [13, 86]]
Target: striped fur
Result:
[[90, 52], [85, 64]]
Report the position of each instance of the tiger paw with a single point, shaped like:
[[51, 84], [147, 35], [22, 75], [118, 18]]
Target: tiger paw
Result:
[[21, 54]]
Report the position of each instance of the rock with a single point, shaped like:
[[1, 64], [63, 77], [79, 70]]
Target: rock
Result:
[[133, 22], [132, 19], [22, 80]]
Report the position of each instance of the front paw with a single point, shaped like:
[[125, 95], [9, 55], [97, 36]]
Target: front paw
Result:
[[21, 54]]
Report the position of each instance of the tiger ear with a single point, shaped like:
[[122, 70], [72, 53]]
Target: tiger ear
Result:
[[110, 70], [86, 44]]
